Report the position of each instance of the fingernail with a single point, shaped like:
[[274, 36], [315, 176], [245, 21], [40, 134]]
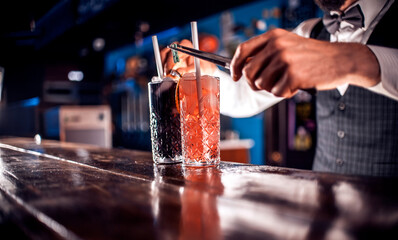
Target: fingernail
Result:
[[235, 77], [274, 90]]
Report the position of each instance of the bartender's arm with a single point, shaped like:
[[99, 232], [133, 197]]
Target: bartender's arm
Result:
[[283, 62]]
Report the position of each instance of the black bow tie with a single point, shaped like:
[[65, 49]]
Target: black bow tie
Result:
[[353, 16]]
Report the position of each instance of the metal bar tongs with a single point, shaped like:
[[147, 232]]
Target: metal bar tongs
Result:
[[211, 57], [214, 58]]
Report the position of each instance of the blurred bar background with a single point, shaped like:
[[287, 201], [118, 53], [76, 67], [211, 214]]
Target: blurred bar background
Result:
[[77, 70]]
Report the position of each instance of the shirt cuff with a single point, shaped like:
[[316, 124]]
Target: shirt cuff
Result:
[[388, 61]]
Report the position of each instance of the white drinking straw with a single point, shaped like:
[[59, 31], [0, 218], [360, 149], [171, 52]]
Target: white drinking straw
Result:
[[157, 57], [195, 42]]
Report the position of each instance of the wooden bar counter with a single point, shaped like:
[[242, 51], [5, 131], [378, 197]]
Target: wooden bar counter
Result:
[[55, 190]]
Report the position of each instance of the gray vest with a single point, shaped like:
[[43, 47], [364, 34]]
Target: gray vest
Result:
[[357, 133]]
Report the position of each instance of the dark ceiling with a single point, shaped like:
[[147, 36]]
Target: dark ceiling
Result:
[[17, 15], [41, 39], [62, 28]]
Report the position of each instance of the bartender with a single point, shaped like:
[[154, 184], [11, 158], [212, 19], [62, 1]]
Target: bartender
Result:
[[350, 57]]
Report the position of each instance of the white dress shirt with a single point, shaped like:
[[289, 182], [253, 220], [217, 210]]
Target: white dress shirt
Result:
[[239, 100]]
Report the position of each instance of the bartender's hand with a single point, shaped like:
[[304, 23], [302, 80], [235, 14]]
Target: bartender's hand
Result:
[[282, 62], [186, 63]]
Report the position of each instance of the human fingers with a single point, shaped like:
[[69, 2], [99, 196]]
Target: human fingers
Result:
[[284, 87], [252, 85], [186, 69], [167, 55], [183, 56], [186, 43], [270, 76], [250, 48], [255, 67], [207, 68]]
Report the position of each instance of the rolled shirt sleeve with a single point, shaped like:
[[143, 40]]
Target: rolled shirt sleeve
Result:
[[388, 61], [387, 57], [237, 99]]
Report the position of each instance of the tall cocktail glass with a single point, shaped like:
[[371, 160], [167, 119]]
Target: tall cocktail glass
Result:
[[200, 131], [164, 121]]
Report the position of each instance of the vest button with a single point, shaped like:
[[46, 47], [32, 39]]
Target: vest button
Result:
[[339, 162], [341, 106], [340, 134]]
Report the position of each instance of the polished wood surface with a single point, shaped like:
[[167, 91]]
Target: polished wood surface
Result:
[[54, 190]]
